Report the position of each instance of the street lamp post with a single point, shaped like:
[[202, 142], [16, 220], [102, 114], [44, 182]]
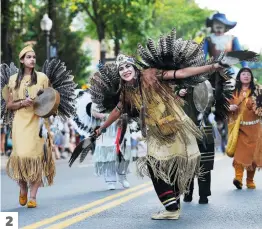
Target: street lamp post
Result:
[[103, 51], [46, 25]]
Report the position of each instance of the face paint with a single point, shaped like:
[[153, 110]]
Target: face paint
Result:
[[127, 71]]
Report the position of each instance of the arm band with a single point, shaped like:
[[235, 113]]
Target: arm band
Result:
[[174, 75], [119, 109]]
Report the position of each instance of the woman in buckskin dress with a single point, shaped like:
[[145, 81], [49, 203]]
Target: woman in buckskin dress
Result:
[[248, 152], [26, 164]]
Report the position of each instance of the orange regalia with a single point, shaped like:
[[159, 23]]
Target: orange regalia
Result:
[[250, 126]]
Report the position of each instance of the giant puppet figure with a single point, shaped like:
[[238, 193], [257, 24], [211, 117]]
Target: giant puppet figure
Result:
[[217, 42], [214, 44]]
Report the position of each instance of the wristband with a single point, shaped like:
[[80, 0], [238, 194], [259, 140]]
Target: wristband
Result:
[[119, 109], [174, 75]]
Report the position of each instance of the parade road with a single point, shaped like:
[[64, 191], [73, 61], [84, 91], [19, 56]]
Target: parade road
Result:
[[79, 199]]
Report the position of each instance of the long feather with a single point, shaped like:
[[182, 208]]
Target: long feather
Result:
[[83, 148]]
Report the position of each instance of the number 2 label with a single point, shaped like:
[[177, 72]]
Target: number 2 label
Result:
[[9, 220]]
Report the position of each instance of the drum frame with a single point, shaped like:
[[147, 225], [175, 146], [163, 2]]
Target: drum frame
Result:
[[55, 105], [203, 107]]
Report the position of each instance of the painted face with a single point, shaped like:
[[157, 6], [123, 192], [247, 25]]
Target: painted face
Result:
[[127, 71], [245, 77], [29, 60], [218, 27]]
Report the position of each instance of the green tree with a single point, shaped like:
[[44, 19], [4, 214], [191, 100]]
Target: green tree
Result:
[[69, 45], [11, 29], [184, 15], [129, 22], [26, 29], [114, 19]]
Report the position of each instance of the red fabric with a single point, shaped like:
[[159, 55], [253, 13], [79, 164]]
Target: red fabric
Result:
[[118, 135], [165, 193]]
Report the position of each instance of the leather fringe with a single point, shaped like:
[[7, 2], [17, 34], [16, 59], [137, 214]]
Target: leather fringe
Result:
[[178, 170], [31, 169]]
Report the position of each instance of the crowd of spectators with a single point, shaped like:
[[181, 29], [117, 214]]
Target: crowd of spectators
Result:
[[65, 139]]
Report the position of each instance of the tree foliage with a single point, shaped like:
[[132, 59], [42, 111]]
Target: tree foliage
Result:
[[123, 21], [69, 42], [184, 15], [126, 22], [129, 22]]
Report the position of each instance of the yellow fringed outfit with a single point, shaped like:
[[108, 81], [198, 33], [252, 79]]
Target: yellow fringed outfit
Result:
[[173, 153], [27, 162]]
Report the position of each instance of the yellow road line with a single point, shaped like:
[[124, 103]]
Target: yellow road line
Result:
[[97, 210], [84, 207]]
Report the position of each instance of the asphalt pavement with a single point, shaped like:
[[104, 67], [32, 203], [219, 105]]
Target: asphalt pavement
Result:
[[79, 199]]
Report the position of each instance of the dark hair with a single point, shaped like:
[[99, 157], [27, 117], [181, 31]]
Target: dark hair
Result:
[[20, 75], [126, 106], [238, 87]]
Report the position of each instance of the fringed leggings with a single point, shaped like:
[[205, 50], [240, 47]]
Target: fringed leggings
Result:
[[167, 194]]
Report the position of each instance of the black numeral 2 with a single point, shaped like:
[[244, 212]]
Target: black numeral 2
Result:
[[10, 220]]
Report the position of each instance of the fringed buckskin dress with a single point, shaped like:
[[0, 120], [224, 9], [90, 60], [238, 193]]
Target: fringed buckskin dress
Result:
[[172, 152], [26, 162]]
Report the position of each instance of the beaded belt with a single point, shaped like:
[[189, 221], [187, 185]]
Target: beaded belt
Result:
[[249, 123]]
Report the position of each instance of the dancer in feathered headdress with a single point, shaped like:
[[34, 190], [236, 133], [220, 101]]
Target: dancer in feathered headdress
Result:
[[31, 163], [172, 154]]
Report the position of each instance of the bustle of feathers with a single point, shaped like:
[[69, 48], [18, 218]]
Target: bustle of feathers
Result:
[[222, 93], [62, 81], [104, 88], [6, 73], [172, 54]]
